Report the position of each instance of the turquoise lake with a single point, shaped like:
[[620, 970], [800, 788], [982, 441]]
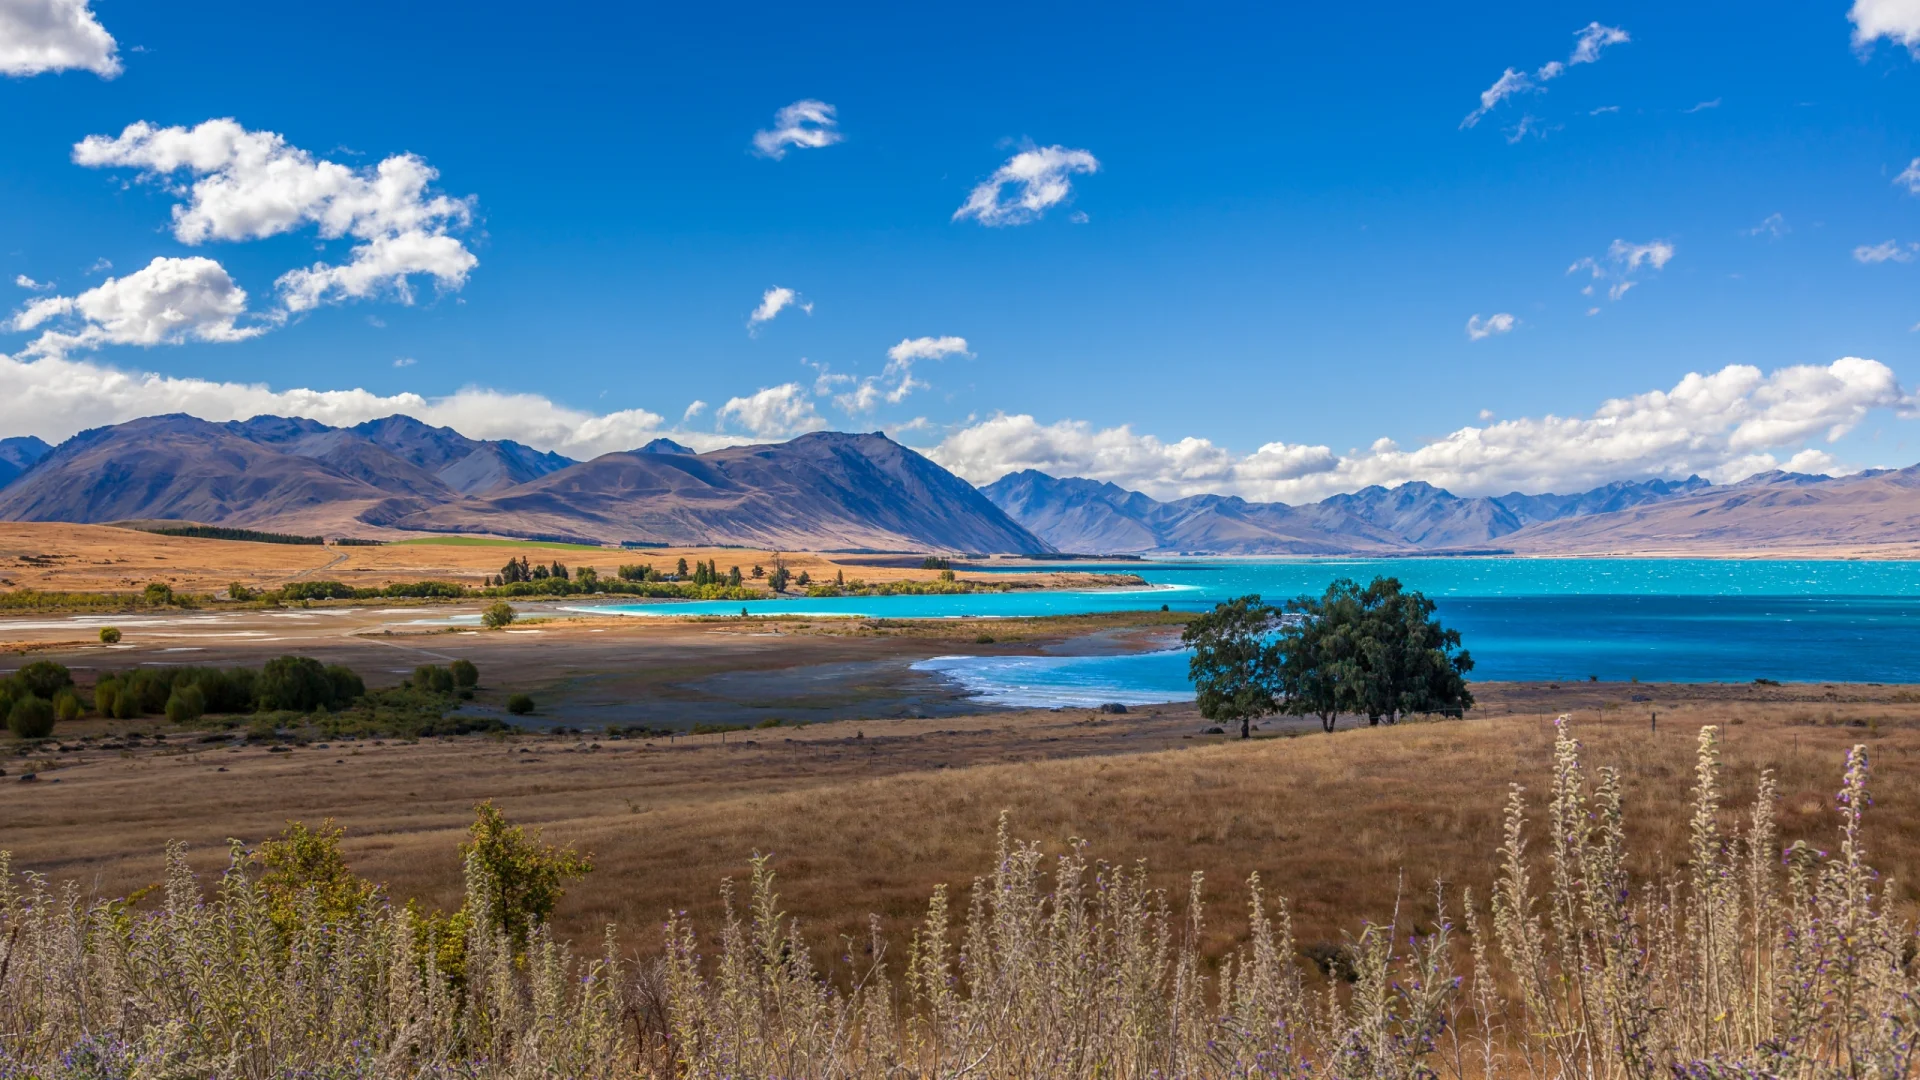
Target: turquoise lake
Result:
[[1657, 620]]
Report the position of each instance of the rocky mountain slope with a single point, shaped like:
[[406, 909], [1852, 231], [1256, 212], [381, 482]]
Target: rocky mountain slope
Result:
[[820, 491]]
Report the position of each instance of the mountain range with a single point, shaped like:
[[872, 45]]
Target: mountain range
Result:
[[1771, 511], [832, 491], [823, 491]]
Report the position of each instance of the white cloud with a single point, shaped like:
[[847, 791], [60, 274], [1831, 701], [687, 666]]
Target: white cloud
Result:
[[1773, 225], [869, 392], [927, 348], [100, 266], [58, 396], [27, 283], [1479, 329], [167, 302], [1603, 110], [1896, 20], [806, 123], [252, 184], [772, 303], [38, 36], [404, 361], [773, 412], [1703, 106], [1042, 175], [1909, 177], [1588, 42], [1622, 264], [693, 410], [1725, 425], [1886, 251]]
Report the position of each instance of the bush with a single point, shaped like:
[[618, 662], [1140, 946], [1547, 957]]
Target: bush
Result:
[[498, 615], [109, 635], [347, 686], [158, 593], [186, 704], [432, 679], [519, 704], [296, 683], [66, 706], [31, 717], [44, 678], [465, 675]]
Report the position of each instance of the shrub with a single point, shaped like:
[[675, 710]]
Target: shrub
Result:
[[498, 615], [44, 678], [158, 593], [186, 704], [432, 679], [296, 683], [519, 704], [31, 717], [347, 686], [66, 706], [109, 635], [465, 675]]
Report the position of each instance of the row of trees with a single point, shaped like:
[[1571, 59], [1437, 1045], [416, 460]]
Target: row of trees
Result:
[[1375, 651], [520, 570]]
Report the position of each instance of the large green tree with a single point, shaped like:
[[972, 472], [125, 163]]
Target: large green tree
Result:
[[1232, 666], [1376, 651]]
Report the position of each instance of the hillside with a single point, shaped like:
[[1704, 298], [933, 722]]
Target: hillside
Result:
[[824, 491], [819, 492], [1772, 511]]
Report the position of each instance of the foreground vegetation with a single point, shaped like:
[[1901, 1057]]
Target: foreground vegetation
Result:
[[1754, 958]]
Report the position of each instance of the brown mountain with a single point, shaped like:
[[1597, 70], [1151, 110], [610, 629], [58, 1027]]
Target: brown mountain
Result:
[[820, 491], [1772, 512], [823, 491]]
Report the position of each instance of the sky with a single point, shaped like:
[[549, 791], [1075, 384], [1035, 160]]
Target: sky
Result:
[[1238, 249]]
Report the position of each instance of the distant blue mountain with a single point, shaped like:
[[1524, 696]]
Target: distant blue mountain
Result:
[[1081, 515], [20, 453]]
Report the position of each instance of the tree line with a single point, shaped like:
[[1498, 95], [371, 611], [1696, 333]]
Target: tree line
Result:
[[1375, 651]]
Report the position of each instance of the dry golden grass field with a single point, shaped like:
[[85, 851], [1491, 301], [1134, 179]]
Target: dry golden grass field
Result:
[[76, 558], [870, 816]]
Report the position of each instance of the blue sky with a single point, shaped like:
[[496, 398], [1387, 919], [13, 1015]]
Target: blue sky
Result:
[[1276, 237]]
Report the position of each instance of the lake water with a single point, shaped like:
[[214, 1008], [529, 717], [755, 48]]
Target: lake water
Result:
[[1658, 620]]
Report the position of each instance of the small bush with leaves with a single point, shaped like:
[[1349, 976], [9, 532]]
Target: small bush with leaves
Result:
[[432, 679], [109, 635], [465, 675], [158, 593], [67, 707], [498, 616], [31, 717], [519, 704], [186, 704]]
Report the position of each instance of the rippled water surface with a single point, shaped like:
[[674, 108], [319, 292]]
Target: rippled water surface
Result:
[[1652, 619]]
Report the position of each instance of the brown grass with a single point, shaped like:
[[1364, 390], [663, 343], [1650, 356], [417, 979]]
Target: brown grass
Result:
[[869, 817], [80, 558]]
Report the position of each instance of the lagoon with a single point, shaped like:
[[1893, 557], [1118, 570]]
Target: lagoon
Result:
[[1657, 620]]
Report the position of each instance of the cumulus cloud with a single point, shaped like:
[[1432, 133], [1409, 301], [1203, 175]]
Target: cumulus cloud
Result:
[[1909, 177], [166, 302], [1479, 329], [1885, 251], [1588, 42], [252, 184], [1041, 175], [773, 412], [27, 283], [806, 123], [1620, 268], [772, 303], [1726, 425], [868, 393], [693, 410], [1773, 225], [54, 397], [1896, 20], [38, 36]]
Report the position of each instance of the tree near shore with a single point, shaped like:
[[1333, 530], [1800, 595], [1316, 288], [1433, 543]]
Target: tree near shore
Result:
[[1376, 651], [1233, 666]]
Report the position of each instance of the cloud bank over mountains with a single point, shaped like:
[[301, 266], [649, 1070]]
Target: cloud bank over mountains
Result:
[[1725, 425]]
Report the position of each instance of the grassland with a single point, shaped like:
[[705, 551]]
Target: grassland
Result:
[[54, 557], [868, 817]]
